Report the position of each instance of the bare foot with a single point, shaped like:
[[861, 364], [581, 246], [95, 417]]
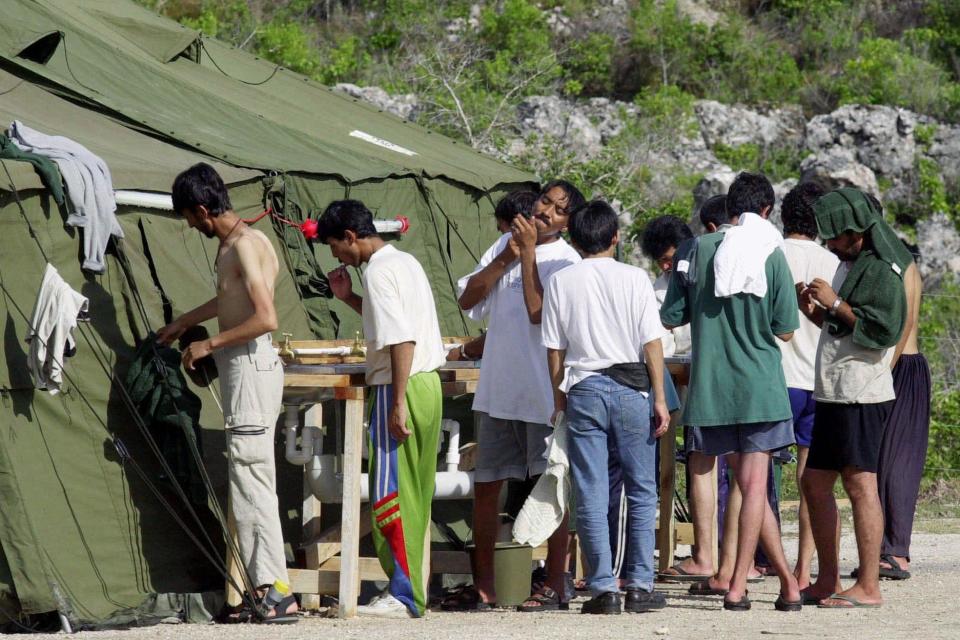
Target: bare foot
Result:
[[803, 577], [903, 562], [857, 593], [688, 566]]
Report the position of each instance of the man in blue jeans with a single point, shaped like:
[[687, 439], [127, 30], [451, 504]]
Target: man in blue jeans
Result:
[[602, 332]]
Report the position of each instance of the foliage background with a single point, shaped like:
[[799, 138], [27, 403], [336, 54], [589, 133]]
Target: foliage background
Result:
[[470, 64]]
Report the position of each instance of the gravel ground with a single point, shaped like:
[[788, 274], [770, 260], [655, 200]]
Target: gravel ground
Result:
[[923, 607]]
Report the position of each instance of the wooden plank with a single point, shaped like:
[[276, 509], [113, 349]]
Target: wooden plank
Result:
[[350, 393], [458, 388], [665, 528], [369, 568], [350, 517], [455, 375], [329, 539], [321, 380], [684, 533]]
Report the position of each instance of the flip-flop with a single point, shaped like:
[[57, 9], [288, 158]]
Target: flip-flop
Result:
[[681, 575], [743, 604], [894, 571], [546, 600], [703, 588], [854, 603], [466, 599], [782, 604], [755, 579], [280, 613], [808, 599]]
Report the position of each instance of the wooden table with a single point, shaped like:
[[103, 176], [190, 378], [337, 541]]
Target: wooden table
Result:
[[311, 384]]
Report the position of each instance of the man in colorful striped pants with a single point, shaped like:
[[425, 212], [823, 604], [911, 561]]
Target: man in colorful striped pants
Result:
[[404, 349]]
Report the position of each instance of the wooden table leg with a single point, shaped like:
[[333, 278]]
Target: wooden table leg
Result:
[[668, 462], [350, 519]]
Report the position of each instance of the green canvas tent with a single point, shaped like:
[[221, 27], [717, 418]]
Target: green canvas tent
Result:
[[80, 532]]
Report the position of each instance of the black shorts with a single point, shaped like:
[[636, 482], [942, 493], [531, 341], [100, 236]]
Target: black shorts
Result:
[[847, 435]]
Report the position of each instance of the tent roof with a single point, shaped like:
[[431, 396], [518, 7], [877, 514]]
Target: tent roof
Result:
[[136, 161], [220, 100]]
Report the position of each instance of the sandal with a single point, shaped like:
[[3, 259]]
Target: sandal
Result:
[[466, 599], [546, 600], [743, 604], [703, 588], [280, 615]]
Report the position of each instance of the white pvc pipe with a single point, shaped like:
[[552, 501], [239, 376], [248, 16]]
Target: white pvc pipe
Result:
[[144, 199], [148, 200], [312, 419], [452, 458], [327, 483], [322, 351]]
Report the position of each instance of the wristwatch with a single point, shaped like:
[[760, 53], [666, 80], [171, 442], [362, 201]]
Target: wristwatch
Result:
[[835, 306]]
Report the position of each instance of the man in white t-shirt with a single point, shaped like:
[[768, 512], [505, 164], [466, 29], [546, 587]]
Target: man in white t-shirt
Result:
[[602, 331], [514, 398], [404, 350], [808, 261]]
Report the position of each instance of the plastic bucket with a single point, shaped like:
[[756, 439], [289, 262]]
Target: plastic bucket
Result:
[[512, 565]]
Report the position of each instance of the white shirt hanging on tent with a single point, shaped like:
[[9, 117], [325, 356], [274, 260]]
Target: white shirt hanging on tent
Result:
[[93, 205], [51, 329]]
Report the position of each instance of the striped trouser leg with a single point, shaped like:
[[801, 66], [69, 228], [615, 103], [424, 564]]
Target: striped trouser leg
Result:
[[402, 478]]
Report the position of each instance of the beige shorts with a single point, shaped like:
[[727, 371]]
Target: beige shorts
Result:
[[251, 383]]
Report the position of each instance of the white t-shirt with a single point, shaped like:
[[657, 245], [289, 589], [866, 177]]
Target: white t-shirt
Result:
[[514, 380], [808, 261], [602, 312], [848, 373], [676, 340], [398, 307]]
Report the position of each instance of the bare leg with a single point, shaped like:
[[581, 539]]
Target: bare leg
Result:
[[486, 521], [703, 507], [750, 471], [824, 523], [861, 486], [806, 546], [558, 547], [728, 547], [773, 548]]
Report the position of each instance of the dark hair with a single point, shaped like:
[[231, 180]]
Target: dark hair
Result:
[[200, 185], [343, 215], [662, 233], [520, 201], [714, 210], [593, 227], [749, 192], [796, 211], [575, 199]]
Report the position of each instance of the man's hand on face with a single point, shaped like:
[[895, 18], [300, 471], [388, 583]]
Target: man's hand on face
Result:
[[196, 351], [397, 422], [171, 332], [340, 283], [524, 233], [820, 291]]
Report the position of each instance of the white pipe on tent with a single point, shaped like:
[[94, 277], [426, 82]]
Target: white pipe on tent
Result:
[[148, 200]]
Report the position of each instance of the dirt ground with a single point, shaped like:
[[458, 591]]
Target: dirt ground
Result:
[[925, 607]]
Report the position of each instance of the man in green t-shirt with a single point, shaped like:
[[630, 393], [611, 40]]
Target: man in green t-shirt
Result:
[[738, 296]]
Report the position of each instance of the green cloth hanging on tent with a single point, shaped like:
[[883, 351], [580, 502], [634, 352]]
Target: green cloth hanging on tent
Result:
[[170, 410], [45, 167]]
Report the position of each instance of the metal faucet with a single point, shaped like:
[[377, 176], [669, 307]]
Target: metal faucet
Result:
[[358, 348], [286, 351]]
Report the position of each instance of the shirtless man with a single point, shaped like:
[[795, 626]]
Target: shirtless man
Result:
[[251, 377]]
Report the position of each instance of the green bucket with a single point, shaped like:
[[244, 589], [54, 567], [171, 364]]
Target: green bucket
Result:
[[512, 565]]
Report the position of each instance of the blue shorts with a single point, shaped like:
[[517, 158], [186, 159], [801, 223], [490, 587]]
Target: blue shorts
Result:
[[804, 407]]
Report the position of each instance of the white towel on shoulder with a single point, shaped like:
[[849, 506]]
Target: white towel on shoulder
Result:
[[741, 260], [544, 509], [89, 188], [51, 329]]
